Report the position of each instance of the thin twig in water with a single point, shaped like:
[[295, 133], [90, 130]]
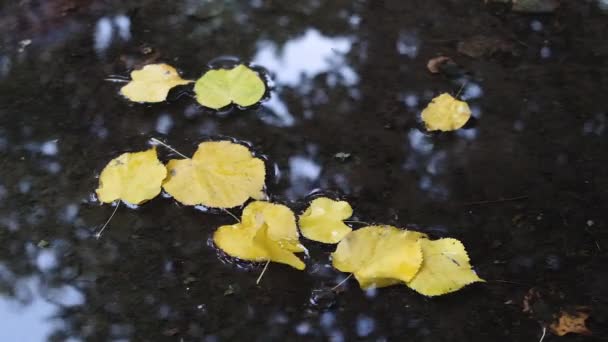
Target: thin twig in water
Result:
[[342, 282], [98, 234], [461, 88], [360, 222], [169, 147], [507, 282], [257, 282], [518, 198], [544, 333], [231, 214], [116, 80]]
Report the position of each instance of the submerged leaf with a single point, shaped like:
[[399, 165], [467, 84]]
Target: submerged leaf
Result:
[[445, 113], [221, 174], [132, 177], [322, 221], [219, 88], [445, 268], [152, 83], [267, 231], [571, 322], [379, 256]]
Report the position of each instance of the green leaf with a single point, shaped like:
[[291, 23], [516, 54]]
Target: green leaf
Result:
[[219, 88]]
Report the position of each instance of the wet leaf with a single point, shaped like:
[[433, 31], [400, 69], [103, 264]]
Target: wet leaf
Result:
[[571, 322], [445, 268], [379, 256], [152, 83], [445, 113], [267, 231], [322, 221], [221, 174], [434, 64], [132, 177], [219, 88]]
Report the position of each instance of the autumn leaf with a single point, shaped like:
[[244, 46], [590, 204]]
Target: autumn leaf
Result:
[[132, 177], [445, 268], [571, 322], [267, 231], [221, 87], [323, 220], [445, 113], [152, 83], [379, 256], [221, 174]]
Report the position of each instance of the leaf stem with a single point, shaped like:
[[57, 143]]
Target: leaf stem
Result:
[[169, 147], [231, 214], [257, 282], [342, 282], [98, 234]]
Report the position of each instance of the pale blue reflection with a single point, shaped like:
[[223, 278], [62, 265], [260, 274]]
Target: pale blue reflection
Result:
[[164, 123], [276, 113], [365, 325], [306, 56], [408, 44], [30, 318], [105, 29]]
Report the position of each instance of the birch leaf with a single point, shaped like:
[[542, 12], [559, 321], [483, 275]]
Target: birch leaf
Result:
[[132, 177], [152, 83], [221, 87], [221, 174], [445, 268], [323, 220], [379, 256], [267, 231], [445, 113]]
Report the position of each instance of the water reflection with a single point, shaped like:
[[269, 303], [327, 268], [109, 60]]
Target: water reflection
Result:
[[107, 27], [305, 57], [350, 78]]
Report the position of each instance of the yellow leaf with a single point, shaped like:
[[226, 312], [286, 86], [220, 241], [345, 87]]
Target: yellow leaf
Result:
[[322, 221], [221, 174], [445, 268], [445, 113], [152, 83], [267, 231], [219, 88], [132, 177], [379, 256]]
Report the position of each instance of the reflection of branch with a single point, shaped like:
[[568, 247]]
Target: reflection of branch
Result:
[[518, 198]]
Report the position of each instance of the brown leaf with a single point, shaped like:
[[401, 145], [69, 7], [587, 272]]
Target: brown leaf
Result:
[[571, 322], [434, 64]]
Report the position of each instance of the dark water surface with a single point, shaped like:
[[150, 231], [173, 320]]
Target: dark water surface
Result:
[[524, 186]]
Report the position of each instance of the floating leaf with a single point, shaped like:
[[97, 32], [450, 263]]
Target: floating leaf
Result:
[[379, 256], [445, 113], [267, 231], [445, 268], [571, 322], [132, 177], [322, 221], [219, 88], [152, 83], [221, 174]]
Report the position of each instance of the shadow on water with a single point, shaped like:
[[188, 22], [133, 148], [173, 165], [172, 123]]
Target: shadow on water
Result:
[[523, 186]]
